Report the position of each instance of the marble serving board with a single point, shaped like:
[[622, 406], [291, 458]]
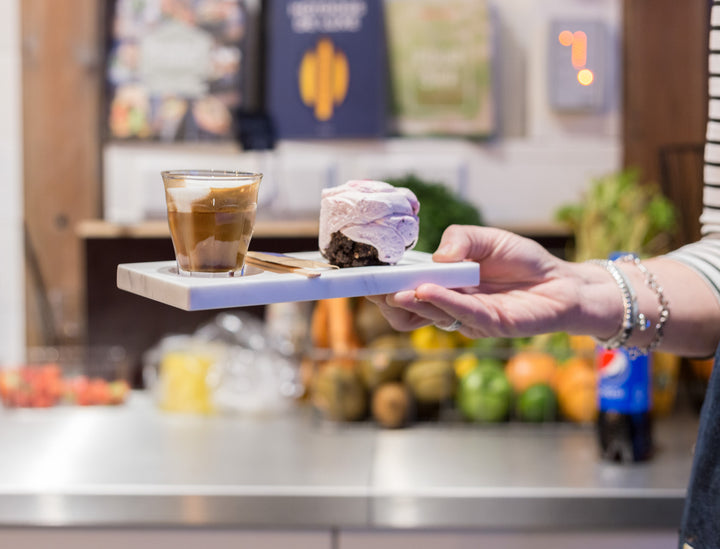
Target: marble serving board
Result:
[[159, 281]]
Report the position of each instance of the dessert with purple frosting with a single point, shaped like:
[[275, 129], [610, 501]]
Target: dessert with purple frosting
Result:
[[367, 222]]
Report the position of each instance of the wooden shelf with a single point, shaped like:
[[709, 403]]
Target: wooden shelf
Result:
[[98, 228]]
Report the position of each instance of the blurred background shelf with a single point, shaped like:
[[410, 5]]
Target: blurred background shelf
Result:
[[264, 228]]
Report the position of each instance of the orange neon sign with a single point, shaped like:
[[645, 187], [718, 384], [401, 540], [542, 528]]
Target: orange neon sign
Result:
[[577, 42]]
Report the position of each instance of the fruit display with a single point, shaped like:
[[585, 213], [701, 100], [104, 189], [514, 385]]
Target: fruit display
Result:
[[537, 403], [392, 405], [359, 368], [32, 386], [576, 386], [95, 391], [383, 360], [430, 340], [527, 368], [72, 376], [431, 380], [339, 393], [484, 393]]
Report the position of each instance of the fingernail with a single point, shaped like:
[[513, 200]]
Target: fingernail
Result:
[[445, 249], [405, 295]]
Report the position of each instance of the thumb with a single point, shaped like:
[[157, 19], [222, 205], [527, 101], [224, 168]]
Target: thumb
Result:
[[454, 245], [460, 242]]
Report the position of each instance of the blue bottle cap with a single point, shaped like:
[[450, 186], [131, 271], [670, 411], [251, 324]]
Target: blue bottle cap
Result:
[[617, 255]]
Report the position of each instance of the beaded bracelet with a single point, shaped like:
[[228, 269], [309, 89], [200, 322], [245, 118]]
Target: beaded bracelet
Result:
[[631, 316], [663, 304]]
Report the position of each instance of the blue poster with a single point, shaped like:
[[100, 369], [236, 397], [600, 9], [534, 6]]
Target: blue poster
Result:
[[326, 68]]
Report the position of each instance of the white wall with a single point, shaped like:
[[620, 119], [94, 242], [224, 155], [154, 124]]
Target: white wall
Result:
[[12, 294], [540, 160]]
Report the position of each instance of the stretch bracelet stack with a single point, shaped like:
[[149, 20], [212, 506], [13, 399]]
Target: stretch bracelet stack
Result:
[[632, 317], [663, 305]]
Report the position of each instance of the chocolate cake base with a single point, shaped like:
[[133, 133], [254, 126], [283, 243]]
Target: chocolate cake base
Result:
[[344, 252]]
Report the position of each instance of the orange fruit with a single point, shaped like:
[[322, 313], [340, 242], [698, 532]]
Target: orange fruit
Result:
[[528, 368], [565, 370], [702, 368], [582, 345], [577, 390], [430, 339]]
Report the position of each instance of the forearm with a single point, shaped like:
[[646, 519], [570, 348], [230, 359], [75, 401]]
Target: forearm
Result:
[[525, 290], [693, 327]]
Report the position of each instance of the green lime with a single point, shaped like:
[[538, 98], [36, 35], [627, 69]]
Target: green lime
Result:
[[491, 361], [537, 403], [485, 394]]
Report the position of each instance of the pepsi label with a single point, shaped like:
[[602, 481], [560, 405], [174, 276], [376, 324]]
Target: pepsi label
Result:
[[623, 382]]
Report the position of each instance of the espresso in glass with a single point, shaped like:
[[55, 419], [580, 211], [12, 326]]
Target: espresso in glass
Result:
[[211, 215]]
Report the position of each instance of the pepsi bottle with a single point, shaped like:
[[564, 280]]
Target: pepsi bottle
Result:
[[624, 393]]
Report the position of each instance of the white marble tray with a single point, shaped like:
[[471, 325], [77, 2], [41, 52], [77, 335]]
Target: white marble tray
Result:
[[159, 281]]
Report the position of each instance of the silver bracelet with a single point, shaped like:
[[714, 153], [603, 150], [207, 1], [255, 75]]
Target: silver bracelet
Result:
[[663, 304], [631, 318]]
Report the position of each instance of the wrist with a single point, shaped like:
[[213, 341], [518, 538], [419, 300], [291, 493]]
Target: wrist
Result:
[[628, 273], [653, 302], [600, 306]]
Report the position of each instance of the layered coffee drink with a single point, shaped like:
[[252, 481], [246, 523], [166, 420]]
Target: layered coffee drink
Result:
[[211, 217]]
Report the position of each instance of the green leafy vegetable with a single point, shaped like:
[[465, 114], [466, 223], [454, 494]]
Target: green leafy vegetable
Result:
[[620, 214]]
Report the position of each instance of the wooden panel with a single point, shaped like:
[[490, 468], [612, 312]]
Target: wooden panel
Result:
[[665, 89], [61, 97]]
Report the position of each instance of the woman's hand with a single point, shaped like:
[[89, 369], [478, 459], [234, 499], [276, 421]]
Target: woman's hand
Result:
[[524, 290]]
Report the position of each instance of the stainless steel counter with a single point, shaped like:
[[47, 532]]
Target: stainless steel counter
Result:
[[133, 465]]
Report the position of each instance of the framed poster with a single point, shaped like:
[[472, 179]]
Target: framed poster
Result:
[[175, 69], [440, 58], [326, 68]]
